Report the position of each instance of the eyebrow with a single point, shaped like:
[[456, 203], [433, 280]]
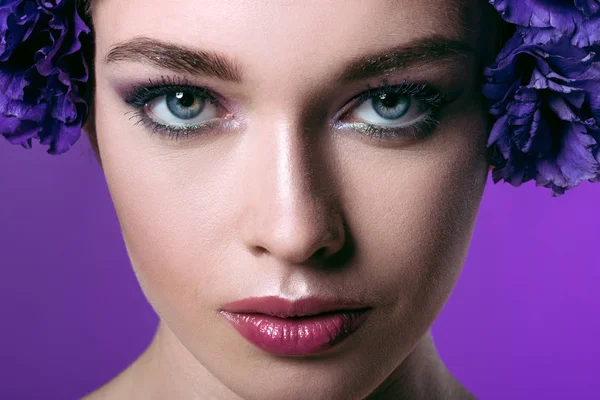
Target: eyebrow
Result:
[[412, 55], [193, 61], [176, 58]]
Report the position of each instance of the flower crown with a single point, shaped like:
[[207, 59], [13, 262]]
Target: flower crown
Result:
[[543, 90]]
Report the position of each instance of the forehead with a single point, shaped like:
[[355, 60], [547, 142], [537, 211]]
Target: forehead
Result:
[[296, 28]]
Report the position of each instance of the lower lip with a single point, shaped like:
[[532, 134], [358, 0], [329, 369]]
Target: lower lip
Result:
[[296, 336]]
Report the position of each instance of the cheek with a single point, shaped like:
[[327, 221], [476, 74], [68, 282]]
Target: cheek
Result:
[[176, 232], [169, 205], [412, 212]]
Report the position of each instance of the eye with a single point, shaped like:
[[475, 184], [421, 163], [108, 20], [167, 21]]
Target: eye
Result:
[[400, 112], [181, 109], [390, 109]]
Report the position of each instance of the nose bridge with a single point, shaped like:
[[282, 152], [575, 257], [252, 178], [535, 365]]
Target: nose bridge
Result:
[[289, 212]]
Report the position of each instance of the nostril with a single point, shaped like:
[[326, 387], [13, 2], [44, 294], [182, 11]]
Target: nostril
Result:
[[259, 250], [319, 253]]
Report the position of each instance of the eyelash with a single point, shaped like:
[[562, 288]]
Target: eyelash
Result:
[[140, 95], [431, 98]]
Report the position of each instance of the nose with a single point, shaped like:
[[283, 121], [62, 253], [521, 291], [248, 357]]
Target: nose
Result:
[[290, 209]]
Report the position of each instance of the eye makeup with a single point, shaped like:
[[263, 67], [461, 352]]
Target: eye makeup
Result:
[[140, 96], [429, 101], [422, 97]]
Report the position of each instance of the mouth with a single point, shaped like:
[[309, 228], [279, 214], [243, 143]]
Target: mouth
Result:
[[307, 326]]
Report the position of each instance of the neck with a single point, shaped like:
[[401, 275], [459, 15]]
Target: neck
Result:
[[168, 370], [422, 375]]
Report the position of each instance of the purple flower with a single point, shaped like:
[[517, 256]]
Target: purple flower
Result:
[[42, 73], [588, 7], [541, 21], [546, 101]]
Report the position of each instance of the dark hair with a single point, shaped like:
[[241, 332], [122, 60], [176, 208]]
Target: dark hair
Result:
[[85, 11]]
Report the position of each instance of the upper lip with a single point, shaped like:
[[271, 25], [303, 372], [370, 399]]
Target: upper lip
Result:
[[283, 308]]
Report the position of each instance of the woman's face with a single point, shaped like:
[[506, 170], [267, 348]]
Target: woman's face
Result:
[[289, 183]]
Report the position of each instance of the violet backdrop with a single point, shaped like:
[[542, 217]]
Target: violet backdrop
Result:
[[522, 322]]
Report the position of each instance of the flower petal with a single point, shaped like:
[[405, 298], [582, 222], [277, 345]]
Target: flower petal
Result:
[[43, 72]]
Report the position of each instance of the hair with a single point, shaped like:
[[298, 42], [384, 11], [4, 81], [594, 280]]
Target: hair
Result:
[[502, 29], [84, 8]]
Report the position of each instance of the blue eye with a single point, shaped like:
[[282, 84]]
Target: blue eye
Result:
[[174, 107], [184, 105], [391, 106], [389, 112], [181, 109]]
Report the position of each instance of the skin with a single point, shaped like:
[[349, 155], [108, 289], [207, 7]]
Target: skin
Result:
[[279, 203]]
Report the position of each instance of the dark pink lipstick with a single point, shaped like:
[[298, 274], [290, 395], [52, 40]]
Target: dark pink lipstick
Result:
[[306, 326]]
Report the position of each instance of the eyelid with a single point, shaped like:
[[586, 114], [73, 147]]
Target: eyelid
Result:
[[159, 101], [164, 85], [433, 99], [168, 84], [139, 96], [422, 91], [142, 95]]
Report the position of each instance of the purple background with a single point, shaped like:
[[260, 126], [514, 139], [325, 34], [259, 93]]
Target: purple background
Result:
[[522, 322]]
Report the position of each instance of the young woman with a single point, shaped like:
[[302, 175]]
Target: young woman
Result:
[[297, 185]]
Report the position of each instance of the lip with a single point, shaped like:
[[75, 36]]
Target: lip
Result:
[[295, 328], [283, 308]]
